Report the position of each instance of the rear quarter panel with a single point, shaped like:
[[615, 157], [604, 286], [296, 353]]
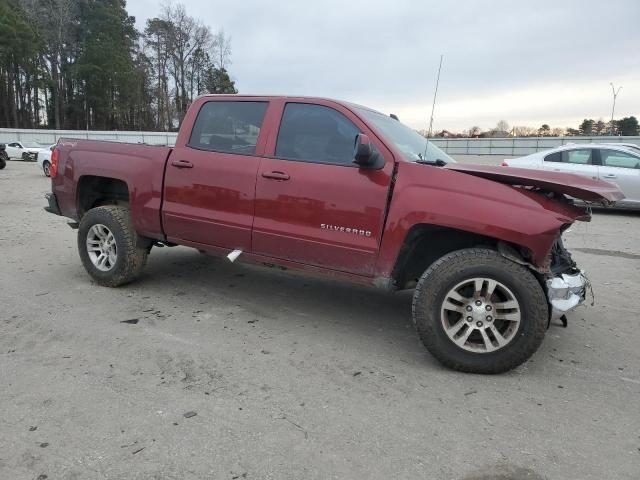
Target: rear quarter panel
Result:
[[533, 161], [141, 167]]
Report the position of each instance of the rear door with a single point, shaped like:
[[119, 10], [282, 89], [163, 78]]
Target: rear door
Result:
[[623, 169], [578, 160], [209, 187], [313, 204]]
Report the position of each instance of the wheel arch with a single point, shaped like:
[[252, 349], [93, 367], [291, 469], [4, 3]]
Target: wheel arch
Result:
[[425, 243], [94, 191]]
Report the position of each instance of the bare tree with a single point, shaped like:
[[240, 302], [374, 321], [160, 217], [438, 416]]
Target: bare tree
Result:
[[524, 131], [502, 126], [222, 50], [474, 131], [557, 132], [186, 36]]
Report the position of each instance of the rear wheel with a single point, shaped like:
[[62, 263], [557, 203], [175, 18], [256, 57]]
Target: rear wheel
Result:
[[2, 163], [46, 168], [479, 312], [110, 249]]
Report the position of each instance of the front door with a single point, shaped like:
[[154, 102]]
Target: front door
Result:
[[14, 150], [210, 182], [313, 204]]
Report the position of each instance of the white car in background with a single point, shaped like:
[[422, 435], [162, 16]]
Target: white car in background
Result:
[[23, 151], [44, 159], [613, 163]]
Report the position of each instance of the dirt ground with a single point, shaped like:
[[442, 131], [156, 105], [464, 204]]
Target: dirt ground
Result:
[[204, 369]]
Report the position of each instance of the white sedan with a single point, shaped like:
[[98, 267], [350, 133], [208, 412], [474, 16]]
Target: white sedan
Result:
[[44, 159], [616, 164], [22, 151]]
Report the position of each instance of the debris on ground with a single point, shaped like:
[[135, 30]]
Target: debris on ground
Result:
[[189, 414]]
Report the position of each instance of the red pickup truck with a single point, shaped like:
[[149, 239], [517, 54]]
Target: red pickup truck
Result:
[[339, 189]]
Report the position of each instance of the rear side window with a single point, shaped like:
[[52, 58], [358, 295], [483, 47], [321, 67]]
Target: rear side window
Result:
[[315, 133], [581, 157], [228, 127], [614, 158]]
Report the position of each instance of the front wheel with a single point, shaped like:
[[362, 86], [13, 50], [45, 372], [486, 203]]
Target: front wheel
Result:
[[479, 312], [109, 247], [46, 169], [2, 163]]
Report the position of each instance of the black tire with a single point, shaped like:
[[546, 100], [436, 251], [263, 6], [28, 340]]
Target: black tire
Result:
[[2, 164], [461, 265], [131, 249], [46, 166]]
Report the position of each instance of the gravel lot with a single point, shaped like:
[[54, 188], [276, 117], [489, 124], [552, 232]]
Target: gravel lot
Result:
[[290, 377]]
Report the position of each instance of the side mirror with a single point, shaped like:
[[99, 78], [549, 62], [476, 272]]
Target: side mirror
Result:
[[365, 154]]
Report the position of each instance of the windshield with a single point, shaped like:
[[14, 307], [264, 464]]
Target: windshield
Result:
[[410, 143]]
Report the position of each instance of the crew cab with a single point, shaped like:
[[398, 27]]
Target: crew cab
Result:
[[333, 188]]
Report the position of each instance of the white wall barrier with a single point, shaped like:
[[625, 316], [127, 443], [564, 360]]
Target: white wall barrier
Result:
[[517, 146], [513, 146], [48, 137]]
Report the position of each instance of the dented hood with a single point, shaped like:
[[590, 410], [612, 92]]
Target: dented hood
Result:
[[575, 186]]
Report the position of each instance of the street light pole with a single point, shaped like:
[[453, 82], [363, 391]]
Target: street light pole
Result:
[[613, 108]]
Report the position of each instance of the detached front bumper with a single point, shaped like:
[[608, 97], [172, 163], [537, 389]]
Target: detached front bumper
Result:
[[566, 292]]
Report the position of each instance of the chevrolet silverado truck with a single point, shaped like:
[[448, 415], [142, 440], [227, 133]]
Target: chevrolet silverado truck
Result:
[[333, 188]]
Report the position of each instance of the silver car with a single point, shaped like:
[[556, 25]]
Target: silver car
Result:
[[616, 164]]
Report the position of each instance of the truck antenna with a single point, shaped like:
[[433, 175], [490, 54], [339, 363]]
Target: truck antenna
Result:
[[433, 108]]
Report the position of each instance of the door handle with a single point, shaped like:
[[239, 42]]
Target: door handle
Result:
[[182, 164], [276, 176], [610, 176]]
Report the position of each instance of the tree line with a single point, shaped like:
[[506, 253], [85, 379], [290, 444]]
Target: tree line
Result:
[[81, 64], [627, 126]]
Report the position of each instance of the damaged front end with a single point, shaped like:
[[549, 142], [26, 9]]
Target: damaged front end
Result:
[[566, 284]]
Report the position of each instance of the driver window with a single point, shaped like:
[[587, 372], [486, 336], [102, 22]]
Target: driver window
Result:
[[315, 133], [615, 158]]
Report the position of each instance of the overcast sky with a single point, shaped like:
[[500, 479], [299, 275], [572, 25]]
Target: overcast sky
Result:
[[539, 62]]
